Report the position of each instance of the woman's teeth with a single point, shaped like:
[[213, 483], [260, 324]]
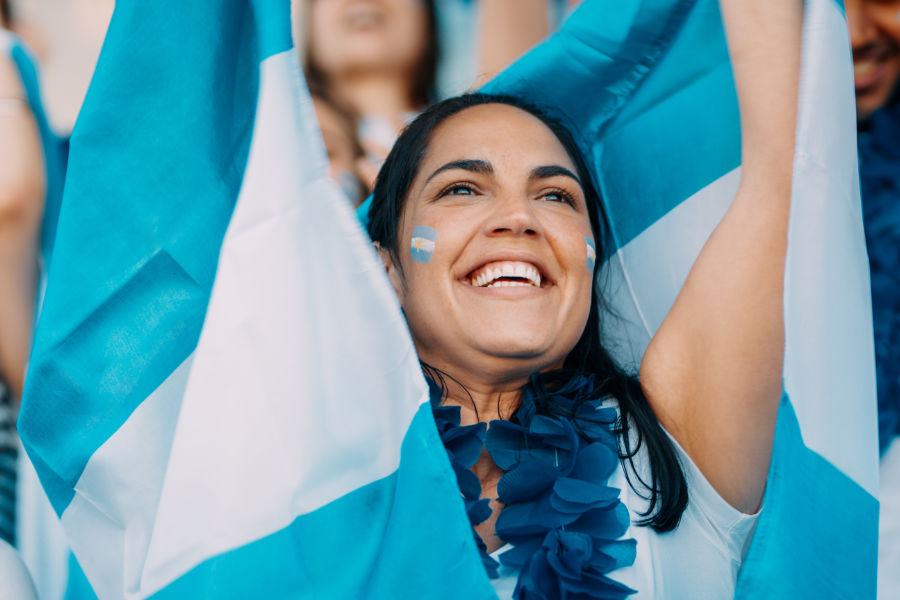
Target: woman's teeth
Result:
[[363, 15], [506, 274], [509, 283]]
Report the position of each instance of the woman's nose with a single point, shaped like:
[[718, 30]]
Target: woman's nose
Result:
[[514, 214]]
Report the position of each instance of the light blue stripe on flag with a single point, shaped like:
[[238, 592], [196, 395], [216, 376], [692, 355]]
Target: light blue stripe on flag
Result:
[[819, 530]]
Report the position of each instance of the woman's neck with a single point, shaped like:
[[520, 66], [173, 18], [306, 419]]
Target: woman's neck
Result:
[[382, 95], [480, 401]]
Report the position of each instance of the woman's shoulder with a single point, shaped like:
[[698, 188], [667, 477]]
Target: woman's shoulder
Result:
[[708, 517], [701, 557]]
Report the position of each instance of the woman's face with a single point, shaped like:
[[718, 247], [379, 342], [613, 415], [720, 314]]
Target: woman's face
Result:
[[494, 245], [358, 36]]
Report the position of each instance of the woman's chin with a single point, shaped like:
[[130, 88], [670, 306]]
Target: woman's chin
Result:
[[522, 355]]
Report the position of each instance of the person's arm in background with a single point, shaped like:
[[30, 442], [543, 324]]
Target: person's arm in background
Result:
[[22, 188], [506, 30]]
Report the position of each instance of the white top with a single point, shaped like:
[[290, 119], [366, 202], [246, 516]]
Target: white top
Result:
[[699, 559]]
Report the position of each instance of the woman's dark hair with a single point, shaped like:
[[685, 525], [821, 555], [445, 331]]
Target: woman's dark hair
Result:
[[342, 109], [5, 13], [667, 488], [423, 86]]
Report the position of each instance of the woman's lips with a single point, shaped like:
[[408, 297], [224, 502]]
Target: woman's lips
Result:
[[872, 63], [868, 73], [506, 273]]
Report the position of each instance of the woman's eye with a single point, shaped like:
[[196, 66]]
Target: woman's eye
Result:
[[559, 196], [458, 189]]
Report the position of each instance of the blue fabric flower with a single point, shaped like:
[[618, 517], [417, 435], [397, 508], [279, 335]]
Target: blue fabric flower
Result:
[[561, 518], [568, 565]]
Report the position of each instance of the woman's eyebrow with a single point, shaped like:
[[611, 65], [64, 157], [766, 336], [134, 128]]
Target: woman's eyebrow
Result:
[[552, 171], [475, 166]]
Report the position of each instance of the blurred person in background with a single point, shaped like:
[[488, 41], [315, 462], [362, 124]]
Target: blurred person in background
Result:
[[338, 126], [22, 192], [32, 169], [381, 58], [22, 189], [875, 38]]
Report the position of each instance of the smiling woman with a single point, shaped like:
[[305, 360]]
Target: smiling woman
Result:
[[508, 291], [567, 450], [875, 37]]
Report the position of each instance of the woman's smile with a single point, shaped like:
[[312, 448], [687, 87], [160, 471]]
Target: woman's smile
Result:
[[506, 273]]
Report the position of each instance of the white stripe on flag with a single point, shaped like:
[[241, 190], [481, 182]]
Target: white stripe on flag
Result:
[[125, 475], [829, 372], [643, 278]]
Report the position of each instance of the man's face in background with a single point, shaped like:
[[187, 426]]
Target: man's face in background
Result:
[[875, 37]]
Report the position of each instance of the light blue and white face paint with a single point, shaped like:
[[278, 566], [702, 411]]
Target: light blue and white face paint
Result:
[[591, 253], [422, 243]]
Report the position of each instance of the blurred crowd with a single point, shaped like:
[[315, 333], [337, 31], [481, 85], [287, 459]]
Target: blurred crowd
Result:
[[372, 65]]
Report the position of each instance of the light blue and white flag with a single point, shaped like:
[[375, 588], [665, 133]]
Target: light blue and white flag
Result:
[[223, 398], [648, 84]]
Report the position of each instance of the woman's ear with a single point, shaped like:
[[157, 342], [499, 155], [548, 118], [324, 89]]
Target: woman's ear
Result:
[[394, 272]]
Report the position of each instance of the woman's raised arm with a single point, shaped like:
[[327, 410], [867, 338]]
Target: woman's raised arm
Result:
[[713, 371]]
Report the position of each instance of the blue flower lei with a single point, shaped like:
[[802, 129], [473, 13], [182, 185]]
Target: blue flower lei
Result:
[[561, 518]]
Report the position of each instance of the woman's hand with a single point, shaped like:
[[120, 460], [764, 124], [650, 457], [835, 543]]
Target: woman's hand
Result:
[[713, 372]]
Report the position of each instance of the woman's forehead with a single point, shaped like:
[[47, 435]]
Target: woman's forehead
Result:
[[495, 132]]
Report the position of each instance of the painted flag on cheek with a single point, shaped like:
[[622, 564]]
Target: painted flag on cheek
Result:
[[422, 244], [200, 420], [662, 129]]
